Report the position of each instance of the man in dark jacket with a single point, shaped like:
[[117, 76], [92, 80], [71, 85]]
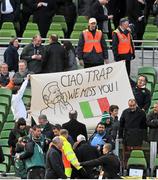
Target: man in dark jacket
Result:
[[85, 152], [33, 54], [152, 123], [132, 125], [54, 164], [109, 162], [43, 12], [74, 127], [55, 56], [92, 48], [142, 94]]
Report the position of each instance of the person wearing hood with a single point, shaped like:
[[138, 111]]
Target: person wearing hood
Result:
[[11, 56], [55, 56], [92, 48], [20, 130]]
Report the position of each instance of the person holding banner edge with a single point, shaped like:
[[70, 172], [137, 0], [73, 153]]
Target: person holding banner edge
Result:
[[92, 49]]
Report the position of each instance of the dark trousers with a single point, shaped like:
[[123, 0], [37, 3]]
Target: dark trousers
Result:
[[36, 173], [128, 67]]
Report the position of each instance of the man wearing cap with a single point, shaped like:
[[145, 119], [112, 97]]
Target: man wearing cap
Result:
[[92, 48], [122, 45]]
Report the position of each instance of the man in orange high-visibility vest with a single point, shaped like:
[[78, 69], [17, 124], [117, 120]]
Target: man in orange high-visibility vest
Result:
[[122, 45], [92, 48]]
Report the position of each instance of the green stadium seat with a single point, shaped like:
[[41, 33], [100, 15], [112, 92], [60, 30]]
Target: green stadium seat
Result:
[[27, 92], [60, 34], [147, 70], [75, 35], [155, 96], [3, 167], [80, 27], [3, 109], [6, 92], [1, 117], [8, 125], [10, 118], [31, 26], [137, 154], [4, 100], [55, 27], [150, 87], [4, 142], [156, 87], [4, 134], [82, 19], [60, 19], [6, 150]]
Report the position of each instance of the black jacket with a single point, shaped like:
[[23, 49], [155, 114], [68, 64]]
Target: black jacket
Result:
[[11, 57], [75, 128], [152, 123], [110, 164], [85, 152], [143, 97], [33, 65], [133, 127], [55, 58], [115, 42], [92, 57], [16, 9], [96, 10], [54, 164], [1, 155]]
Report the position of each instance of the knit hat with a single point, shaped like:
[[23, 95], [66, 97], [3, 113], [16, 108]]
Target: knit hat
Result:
[[105, 116], [81, 138]]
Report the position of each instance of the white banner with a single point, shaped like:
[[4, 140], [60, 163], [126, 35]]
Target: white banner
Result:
[[89, 91]]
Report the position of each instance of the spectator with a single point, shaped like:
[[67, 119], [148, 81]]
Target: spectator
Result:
[[74, 127], [43, 12], [10, 12], [122, 45], [142, 94], [152, 123], [113, 110], [5, 77], [20, 76], [94, 53], [100, 137], [19, 165], [132, 126], [55, 58], [109, 162], [46, 126], [56, 132], [20, 130], [33, 54], [54, 164], [11, 56], [27, 9], [99, 11], [106, 120], [72, 63], [34, 155], [17, 105], [85, 152], [69, 157]]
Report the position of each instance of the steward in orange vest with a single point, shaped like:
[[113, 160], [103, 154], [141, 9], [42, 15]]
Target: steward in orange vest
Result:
[[122, 45], [92, 48]]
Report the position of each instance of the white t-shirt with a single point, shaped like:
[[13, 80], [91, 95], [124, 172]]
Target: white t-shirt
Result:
[[9, 8], [17, 105]]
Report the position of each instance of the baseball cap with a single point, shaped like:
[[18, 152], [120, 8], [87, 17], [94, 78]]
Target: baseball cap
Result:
[[92, 20], [81, 138]]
